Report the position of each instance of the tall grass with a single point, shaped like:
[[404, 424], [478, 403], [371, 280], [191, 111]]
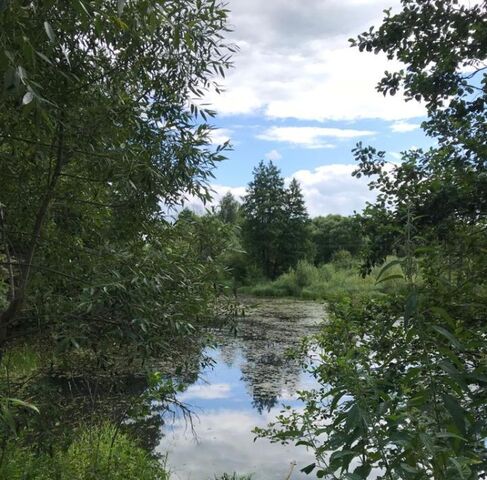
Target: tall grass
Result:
[[21, 361], [329, 282], [97, 454]]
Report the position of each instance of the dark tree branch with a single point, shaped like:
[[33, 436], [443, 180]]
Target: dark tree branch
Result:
[[15, 305]]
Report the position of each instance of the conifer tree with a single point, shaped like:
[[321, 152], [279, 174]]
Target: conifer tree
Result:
[[295, 242], [275, 221], [228, 208]]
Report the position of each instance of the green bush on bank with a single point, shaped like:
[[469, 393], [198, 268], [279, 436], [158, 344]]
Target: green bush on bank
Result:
[[97, 454], [332, 281]]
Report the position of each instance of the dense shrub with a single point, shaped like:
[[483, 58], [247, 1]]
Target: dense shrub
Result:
[[342, 259], [96, 454], [332, 281]]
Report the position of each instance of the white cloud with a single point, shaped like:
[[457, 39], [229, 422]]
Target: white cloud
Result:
[[295, 62], [326, 189], [225, 443], [332, 189], [310, 137], [220, 190], [400, 127], [207, 392], [273, 156], [219, 136]]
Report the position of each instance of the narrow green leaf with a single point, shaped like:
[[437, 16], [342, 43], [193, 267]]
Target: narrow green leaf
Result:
[[305, 443], [21, 403], [28, 97], [50, 32], [450, 435], [449, 336], [458, 467], [408, 468], [41, 55], [387, 267], [309, 468]]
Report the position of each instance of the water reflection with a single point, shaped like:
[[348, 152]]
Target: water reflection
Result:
[[250, 380]]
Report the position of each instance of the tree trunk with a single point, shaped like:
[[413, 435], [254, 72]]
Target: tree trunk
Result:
[[18, 295]]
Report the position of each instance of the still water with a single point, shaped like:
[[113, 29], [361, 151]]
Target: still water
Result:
[[246, 387]]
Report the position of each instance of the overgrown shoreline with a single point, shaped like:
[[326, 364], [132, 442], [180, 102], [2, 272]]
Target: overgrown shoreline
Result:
[[328, 282]]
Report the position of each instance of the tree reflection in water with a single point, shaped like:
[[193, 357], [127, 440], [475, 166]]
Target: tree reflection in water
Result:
[[251, 378]]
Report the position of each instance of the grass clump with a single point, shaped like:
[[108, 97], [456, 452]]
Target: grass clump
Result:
[[332, 281], [99, 453], [21, 361]]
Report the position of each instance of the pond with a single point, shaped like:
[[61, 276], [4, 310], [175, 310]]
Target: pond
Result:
[[252, 377]]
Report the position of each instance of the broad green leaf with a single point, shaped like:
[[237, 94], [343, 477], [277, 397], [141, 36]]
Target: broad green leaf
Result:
[[353, 417], [363, 471], [456, 411], [411, 307]]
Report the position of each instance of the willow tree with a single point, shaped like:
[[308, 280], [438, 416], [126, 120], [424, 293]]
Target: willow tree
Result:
[[102, 130]]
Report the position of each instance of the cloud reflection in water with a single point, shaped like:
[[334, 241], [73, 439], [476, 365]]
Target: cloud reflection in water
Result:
[[251, 379]]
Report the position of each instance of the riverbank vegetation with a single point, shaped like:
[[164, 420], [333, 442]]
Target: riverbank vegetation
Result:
[[403, 377], [330, 282], [95, 453], [102, 135]]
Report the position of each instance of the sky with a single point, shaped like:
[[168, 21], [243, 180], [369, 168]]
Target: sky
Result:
[[300, 96]]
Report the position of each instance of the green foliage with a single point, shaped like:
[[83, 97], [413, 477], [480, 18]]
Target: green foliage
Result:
[[96, 454], [141, 297], [342, 259], [20, 361], [275, 222], [402, 377], [443, 45], [102, 134], [296, 243], [329, 282], [306, 274], [3, 283], [228, 209], [404, 401], [100, 138], [333, 233], [233, 476]]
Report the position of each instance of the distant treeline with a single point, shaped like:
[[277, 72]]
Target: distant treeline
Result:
[[271, 230]]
